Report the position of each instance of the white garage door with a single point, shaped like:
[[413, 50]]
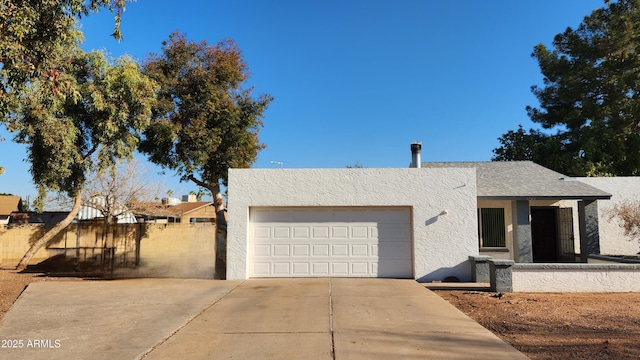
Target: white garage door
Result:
[[330, 242]]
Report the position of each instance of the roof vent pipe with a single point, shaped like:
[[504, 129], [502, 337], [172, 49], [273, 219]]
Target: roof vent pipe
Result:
[[415, 154]]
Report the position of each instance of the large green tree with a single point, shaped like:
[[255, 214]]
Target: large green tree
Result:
[[205, 121], [85, 115], [33, 33], [590, 97]]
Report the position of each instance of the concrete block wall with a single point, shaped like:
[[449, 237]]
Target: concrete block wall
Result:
[[15, 240], [176, 250], [166, 250]]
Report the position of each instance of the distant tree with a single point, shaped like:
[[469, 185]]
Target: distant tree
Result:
[[534, 145], [124, 188], [356, 165], [591, 96], [83, 116], [205, 122]]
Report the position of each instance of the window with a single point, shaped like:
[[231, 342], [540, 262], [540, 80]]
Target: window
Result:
[[491, 228], [202, 220]]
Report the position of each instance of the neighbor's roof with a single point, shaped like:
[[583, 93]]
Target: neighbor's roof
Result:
[[523, 180], [161, 210], [187, 207], [9, 204]]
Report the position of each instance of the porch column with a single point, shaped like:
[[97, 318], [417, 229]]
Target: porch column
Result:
[[589, 229], [522, 232]]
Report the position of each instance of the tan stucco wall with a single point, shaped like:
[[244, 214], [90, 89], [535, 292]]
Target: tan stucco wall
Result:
[[15, 240], [166, 250], [177, 250]]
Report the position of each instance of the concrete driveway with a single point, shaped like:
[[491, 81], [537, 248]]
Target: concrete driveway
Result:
[[272, 318]]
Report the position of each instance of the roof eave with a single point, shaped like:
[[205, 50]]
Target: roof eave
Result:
[[567, 197]]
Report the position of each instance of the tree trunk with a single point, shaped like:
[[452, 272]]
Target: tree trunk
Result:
[[49, 235], [220, 242]]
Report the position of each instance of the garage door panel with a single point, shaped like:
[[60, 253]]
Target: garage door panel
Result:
[[301, 250], [340, 268], [360, 268], [262, 232], [262, 250], [321, 268], [281, 268], [262, 269], [359, 232], [320, 249], [301, 268], [281, 232], [396, 250], [320, 232], [343, 242], [340, 250], [301, 232], [339, 232], [360, 250], [281, 250]]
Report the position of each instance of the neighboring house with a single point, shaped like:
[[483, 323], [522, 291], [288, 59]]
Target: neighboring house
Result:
[[87, 212], [9, 204], [186, 211], [194, 212], [47, 217], [421, 222]]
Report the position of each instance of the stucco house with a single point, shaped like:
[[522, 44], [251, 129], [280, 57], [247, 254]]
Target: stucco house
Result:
[[421, 222]]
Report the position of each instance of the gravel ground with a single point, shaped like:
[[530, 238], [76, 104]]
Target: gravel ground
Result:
[[558, 325]]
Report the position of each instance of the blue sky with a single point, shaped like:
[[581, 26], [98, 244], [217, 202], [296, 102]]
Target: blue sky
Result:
[[357, 81]]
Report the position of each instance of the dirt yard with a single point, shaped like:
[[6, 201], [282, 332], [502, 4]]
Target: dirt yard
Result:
[[558, 325], [543, 326]]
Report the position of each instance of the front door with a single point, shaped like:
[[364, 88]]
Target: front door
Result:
[[552, 234], [544, 235]]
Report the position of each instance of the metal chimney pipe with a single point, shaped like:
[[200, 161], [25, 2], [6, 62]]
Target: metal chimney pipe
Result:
[[415, 154]]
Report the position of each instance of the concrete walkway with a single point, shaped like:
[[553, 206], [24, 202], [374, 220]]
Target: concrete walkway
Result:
[[271, 318]]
